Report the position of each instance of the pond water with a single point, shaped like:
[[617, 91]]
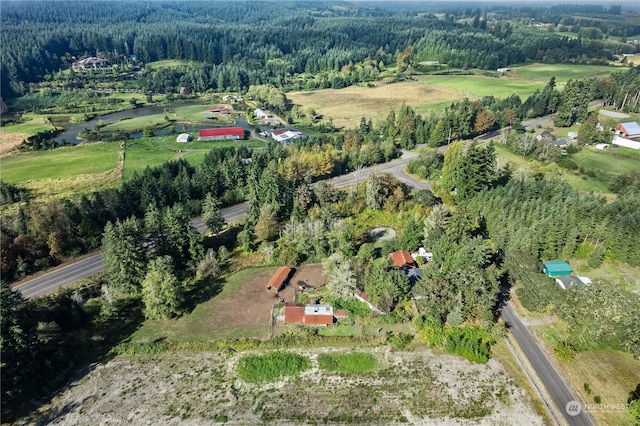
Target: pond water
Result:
[[71, 131]]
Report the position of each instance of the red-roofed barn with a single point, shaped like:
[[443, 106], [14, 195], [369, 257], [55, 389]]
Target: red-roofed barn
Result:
[[221, 133], [280, 278]]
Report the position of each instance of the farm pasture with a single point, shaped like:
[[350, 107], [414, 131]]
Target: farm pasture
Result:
[[347, 106], [240, 308]]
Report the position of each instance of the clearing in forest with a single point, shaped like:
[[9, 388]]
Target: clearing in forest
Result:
[[347, 106]]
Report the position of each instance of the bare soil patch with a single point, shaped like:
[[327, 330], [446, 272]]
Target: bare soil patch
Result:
[[9, 141], [346, 106], [419, 387], [250, 305]]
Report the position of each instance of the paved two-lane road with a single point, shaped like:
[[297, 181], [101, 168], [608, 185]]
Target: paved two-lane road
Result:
[[561, 393], [91, 265], [83, 268]]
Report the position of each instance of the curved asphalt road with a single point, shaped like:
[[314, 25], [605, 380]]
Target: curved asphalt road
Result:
[[558, 389], [561, 393], [83, 268]]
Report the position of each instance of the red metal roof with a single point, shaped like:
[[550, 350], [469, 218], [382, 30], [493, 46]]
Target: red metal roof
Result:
[[318, 319], [340, 313], [278, 279], [223, 131], [293, 314], [401, 258]]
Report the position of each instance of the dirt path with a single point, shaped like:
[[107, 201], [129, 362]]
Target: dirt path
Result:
[[613, 114]]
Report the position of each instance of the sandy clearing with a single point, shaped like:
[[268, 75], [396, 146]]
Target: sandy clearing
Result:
[[420, 387]]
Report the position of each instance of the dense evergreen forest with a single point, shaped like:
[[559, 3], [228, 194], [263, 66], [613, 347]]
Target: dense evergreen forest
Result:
[[242, 43]]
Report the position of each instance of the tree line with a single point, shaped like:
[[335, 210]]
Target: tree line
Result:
[[241, 45]]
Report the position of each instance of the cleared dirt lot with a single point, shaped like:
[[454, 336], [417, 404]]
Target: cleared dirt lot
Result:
[[241, 309], [419, 387]]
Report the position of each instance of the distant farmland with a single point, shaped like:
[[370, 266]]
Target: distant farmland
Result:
[[346, 106], [433, 93]]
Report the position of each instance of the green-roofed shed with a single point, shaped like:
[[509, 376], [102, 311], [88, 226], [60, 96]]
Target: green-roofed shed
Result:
[[556, 268]]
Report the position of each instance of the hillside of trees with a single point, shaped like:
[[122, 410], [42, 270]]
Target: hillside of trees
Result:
[[241, 43]]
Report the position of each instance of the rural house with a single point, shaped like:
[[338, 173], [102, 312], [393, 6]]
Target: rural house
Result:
[[320, 314], [401, 259], [90, 63], [280, 278], [285, 135], [556, 268], [567, 281], [221, 133], [629, 130], [261, 114]]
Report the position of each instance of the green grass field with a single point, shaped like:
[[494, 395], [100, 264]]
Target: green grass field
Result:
[[153, 151], [181, 114], [272, 366], [32, 124], [479, 86], [562, 72], [603, 164], [356, 362], [148, 152], [170, 63], [85, 159]]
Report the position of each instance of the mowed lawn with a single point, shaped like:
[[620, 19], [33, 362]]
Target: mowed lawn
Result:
[[605, 165], [562, 72], [347, 106], [85, 159], [154, 151], [478, 86]]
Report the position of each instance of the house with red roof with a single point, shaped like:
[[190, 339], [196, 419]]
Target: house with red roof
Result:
[[629, 130], [401, 259], [319, 314], [221, 133]]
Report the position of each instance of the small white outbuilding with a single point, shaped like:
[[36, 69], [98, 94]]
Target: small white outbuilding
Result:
[[184, 138]]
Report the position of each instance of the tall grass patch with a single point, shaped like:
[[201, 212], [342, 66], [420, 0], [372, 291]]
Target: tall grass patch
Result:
[[271, 367], [356, 362]]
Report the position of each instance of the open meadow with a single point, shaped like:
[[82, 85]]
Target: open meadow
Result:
[[606, 373], [562, 72], [594, 168], [475, 86], [83, 159], [347, 106]]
